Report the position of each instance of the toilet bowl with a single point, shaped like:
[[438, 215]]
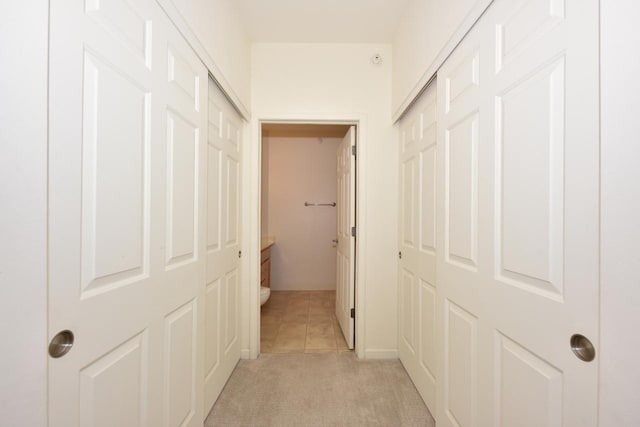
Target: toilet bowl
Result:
[[264, 294]]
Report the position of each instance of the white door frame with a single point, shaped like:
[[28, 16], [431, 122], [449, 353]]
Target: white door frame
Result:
[[252, 194]]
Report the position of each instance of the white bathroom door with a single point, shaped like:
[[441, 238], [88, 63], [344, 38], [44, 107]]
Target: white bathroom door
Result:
[[126, 205], [518, 170], [346, 221], [222, 307], [417, 245]]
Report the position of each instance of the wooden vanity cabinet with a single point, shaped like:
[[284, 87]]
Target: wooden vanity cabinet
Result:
[[265, 267]]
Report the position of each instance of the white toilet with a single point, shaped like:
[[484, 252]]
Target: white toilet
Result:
[[264, 294]]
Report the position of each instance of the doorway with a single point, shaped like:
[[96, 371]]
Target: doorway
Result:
[[307, 249]]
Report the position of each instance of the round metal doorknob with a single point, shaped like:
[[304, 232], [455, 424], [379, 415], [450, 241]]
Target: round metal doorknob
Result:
[[582, 348], [61, 344]]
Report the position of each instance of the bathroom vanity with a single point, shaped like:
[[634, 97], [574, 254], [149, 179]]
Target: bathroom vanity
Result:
[[265, 261]]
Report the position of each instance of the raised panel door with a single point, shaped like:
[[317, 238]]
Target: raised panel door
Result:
[[126, 272], [222, 342], [346, 219], [518, 181], [184, 293], [417, 245], [101, 262]]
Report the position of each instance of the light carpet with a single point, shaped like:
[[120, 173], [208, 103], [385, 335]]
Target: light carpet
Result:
[[319, 390]]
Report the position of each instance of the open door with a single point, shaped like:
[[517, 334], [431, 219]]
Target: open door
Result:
[[346, 222]]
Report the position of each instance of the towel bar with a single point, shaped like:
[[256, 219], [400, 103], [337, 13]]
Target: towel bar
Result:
[[320, 204]]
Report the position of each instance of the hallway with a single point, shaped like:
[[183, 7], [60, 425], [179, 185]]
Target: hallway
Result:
[[484, 249], [328, 389], [306, 375]]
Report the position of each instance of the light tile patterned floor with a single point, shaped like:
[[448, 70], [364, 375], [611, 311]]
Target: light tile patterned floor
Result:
[[300, 322]]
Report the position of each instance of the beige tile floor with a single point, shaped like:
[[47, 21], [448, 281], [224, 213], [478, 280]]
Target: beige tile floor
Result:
[[300, 322]]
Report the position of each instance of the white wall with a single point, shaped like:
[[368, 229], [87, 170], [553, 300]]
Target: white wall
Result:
[[426, 35], [23, 212], [214, 29], [301, 169], [620, 227], [312, 80]]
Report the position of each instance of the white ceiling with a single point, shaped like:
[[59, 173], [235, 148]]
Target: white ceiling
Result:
[[304, 130], [321, 21]]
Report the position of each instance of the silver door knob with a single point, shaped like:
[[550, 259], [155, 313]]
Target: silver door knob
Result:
[[61, 343], [582, 348]]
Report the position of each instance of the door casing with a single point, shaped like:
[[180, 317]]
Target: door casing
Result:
[[252, 194]]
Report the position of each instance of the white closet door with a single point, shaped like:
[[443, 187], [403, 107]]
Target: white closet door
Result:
[[346, 219], [126, 203], [461, 297], [417, 244], [184, 267], [222, 343], [518, 217]]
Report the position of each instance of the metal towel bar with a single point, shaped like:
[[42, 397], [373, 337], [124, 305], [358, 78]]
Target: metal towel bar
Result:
[[320, 204]]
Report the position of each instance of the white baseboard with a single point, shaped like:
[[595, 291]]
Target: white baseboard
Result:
[[371, 354], [245, 354]]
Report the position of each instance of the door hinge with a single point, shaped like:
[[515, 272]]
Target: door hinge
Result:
[[239, 254], [353, 231], [353, 150], [400, 255], [353, 313]]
